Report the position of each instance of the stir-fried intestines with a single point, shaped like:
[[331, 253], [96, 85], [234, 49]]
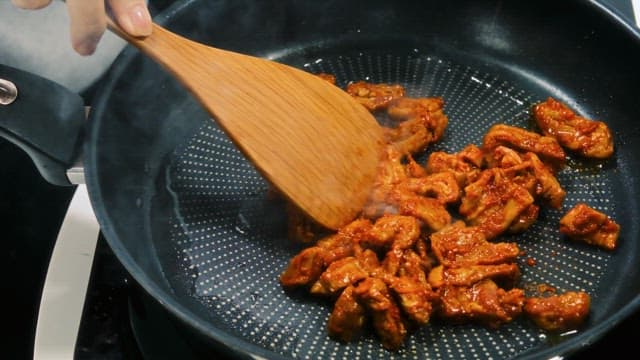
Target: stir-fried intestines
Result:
[[407, 259]]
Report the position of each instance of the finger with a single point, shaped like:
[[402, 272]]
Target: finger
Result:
[[88, 22], [31, 4], [132, 15]]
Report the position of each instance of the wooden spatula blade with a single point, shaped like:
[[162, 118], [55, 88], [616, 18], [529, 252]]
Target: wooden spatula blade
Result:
[[309, 138]]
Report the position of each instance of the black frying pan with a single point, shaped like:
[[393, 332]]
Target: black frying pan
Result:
[[192, 221]]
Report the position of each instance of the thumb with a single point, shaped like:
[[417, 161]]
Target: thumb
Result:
[[133, 16]]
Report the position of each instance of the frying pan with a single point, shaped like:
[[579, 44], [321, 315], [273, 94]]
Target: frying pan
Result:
[[193, 221]]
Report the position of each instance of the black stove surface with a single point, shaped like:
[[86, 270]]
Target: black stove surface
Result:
[[31, 212], [105, 330]]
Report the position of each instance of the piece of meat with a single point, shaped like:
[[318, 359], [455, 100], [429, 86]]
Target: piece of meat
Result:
[[586, 224], [494, 202], [459, 245], [528, 171], [558, 312], [425, 254], [407, 263], [471, 154], [390, 169], [390, 196], [428, 109], [430, 112], [393, 231], [387, 320], [338, 275], [414, 266], [468, 275], [547, 185], [414, 297], [441, 186], [526, 218], [519, 171], [347, 318], [391, 263], [304, 268], [413, 169], [484, 302], [464, 165], [586, 137], [368, 259], [374, 96], [409, 137], [422, 122], [431, 211], [546, 147], [341, 244], [503, 157], [394, 192]]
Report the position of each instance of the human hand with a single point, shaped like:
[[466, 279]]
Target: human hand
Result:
[[89, 20]]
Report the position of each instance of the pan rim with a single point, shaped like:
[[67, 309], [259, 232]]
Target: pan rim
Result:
[[617, 15]]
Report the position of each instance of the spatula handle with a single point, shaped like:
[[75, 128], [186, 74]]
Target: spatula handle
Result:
[[44, 119], [163, 46]]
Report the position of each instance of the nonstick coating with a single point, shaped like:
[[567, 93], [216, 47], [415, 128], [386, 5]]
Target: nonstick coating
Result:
[[198, 228]]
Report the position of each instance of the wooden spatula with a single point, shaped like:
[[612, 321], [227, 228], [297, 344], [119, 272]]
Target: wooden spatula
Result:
[[309, 138]]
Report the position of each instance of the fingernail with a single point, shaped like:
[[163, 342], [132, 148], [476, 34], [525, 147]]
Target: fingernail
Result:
[[137, 22], [30, 4]]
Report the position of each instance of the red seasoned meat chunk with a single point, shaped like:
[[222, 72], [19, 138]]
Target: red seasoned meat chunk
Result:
[[558, 312], [374, 96], [586, 224], [494, 202], [526, 218], [341, 244], [394, 192], [414, 297], [528, 171], [484, 302], [385, 313], [429, 210], [304, 268], [468, 275], [422, 122], [441, 186], [338, 275], [393, 231], [347, 318], [586, 137], [546, 147], [465, 165], [459, 245]]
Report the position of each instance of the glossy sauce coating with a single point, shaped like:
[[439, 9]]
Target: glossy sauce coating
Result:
[[406, 260]]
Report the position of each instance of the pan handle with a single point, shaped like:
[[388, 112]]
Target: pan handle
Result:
[[44, 119]]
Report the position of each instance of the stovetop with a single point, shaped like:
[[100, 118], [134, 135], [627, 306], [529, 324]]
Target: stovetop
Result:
[[119, 320]]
